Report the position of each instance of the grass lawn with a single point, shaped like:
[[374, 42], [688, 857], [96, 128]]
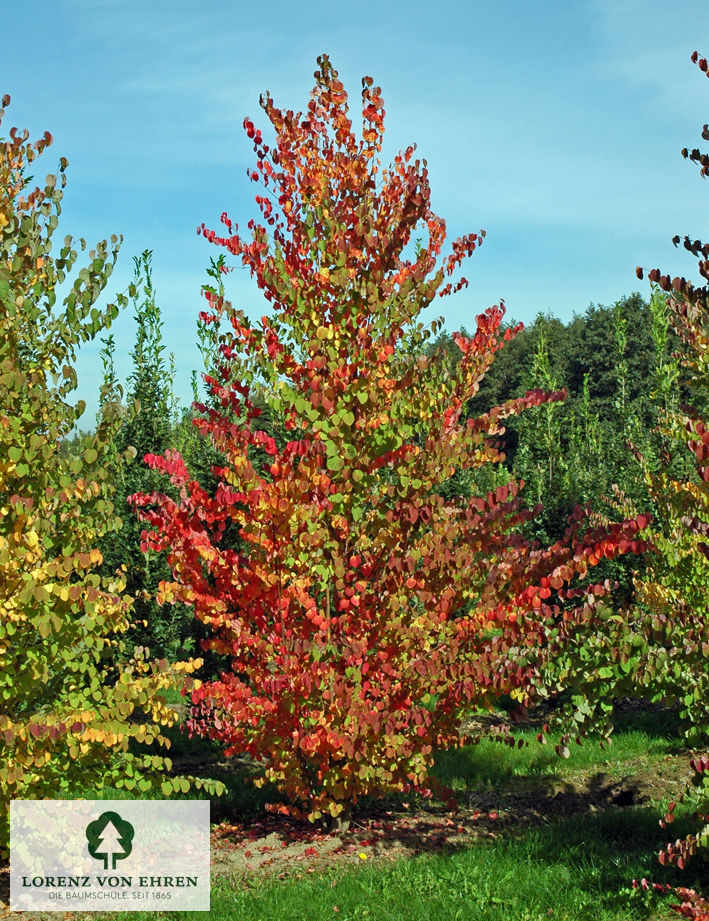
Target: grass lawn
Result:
[[535, 837]]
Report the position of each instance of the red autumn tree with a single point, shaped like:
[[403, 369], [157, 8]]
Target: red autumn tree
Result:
[[364, 613]]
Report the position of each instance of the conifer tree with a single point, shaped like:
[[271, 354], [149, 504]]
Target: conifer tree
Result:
[[147, 427]]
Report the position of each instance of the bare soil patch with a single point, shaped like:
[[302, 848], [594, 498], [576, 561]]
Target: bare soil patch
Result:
[[274, 846]]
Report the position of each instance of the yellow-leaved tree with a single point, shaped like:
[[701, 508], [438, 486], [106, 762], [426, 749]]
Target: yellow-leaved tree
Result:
[[69, 717]]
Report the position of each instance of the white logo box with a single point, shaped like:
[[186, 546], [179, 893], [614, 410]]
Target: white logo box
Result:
[[109, 855]]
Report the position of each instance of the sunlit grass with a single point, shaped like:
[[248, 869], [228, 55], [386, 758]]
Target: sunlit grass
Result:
[[569, 870], [638, 740], [574, 867]]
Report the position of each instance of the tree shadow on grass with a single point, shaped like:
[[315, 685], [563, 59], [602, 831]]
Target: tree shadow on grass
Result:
[[656, 722], [606, 850], [643, 734]]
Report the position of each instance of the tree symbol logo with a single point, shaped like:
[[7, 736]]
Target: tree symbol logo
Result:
[[110, 839]]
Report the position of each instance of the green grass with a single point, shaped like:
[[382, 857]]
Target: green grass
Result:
[[563, 867], [568, 871], [639, 739], [563, 871]]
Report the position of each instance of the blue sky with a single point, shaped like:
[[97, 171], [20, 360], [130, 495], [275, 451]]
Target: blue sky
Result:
[[556, 126]]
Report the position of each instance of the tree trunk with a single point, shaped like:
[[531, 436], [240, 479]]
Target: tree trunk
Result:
[[338, 825]]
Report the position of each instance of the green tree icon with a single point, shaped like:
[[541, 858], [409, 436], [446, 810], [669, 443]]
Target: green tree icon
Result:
[[110, 839]]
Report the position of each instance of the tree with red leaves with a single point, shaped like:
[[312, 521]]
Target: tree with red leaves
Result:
[[673, 630], [364, 613]]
